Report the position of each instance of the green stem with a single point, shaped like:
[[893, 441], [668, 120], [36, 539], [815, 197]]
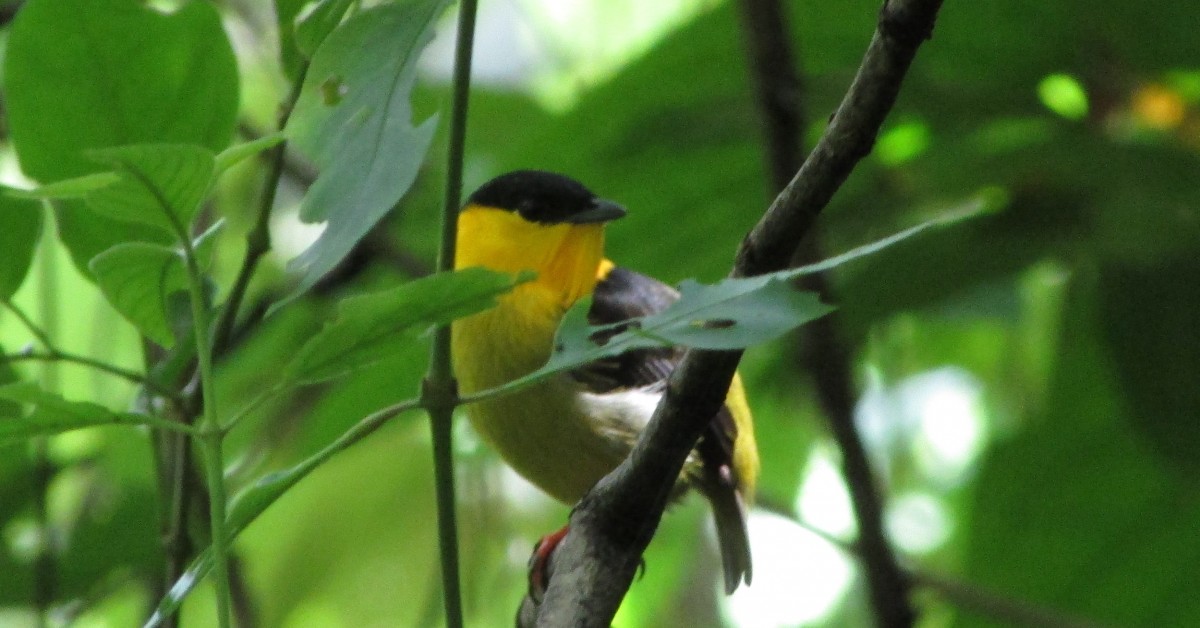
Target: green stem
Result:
[[439, 393], [211, 435], [45, 578]]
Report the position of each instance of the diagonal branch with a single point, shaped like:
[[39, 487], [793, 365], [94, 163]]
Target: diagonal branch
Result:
[[613, 524], [823, 355]]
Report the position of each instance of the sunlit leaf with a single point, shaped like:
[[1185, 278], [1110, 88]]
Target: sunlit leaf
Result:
[[362, 139], [78, 187], [365, 324]]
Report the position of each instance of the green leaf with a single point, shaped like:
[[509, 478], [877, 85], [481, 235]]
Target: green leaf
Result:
[[22, 222], [52, 414], [732, 314], [86, 74], [354, 119], [161, 185], [233, 155], [138, 279], [313, 27], [365, 323], [78, 187]]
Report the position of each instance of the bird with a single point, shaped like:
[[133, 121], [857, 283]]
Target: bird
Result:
[[565, 433]]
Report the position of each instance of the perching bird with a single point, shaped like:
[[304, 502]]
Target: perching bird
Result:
[[566, 433]]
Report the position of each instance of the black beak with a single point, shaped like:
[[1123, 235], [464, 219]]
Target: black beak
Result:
[[600, 211]]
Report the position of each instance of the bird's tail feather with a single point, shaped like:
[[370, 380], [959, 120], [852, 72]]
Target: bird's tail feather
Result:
[[729, 512]]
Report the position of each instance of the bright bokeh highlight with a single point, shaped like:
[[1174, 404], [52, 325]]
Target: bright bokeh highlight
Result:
[[799, 578], [824, 501], [1064, 94]]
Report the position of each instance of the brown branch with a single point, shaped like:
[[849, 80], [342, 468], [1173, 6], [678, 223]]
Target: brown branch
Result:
[[778, 89], [613, 524]]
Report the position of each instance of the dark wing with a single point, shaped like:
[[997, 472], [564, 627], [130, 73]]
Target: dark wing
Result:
[[620, 296]]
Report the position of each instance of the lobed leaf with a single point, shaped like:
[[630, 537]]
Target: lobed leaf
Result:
[[353, 118]]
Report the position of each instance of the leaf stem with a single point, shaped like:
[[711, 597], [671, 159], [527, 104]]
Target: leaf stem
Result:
[[42, 336], [243, 515], [439, 391], [52, 354]]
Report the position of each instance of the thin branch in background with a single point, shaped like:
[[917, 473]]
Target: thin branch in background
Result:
[[40, 334], [258, 240], [777, 88], [994, 606], [610, 528]]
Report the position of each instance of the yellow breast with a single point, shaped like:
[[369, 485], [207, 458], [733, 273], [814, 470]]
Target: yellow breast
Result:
[[541, 431]]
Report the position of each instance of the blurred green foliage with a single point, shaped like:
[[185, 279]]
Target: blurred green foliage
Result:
[[1071, 306]]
